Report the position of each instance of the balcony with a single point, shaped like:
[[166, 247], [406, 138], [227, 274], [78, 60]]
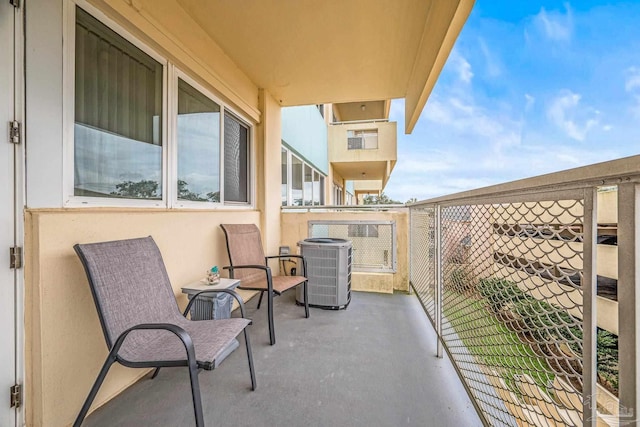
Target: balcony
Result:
[[370, 365], [531, 299], [363, 151]]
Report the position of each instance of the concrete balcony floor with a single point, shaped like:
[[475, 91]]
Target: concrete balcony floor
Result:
[[373, 364]]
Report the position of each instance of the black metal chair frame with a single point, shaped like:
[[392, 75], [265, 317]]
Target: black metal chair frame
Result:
[[270, 291], [191, 362]]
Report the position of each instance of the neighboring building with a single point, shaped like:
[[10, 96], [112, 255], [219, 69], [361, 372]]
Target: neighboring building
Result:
[[355, 152]]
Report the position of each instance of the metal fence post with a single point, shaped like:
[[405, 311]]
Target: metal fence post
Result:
[[438, 278], [410, 251], [628, 292], [589, 319]]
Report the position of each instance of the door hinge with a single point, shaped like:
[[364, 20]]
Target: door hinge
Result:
[[15, 257], [14, 132], [14, 3], [16, 395]]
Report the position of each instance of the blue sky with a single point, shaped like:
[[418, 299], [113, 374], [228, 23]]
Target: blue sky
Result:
[[529, 88]]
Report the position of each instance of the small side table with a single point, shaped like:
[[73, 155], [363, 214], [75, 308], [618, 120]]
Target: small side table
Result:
[[213, 306]]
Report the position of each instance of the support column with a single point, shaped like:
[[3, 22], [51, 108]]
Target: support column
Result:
[[628, 312], [268, 146]]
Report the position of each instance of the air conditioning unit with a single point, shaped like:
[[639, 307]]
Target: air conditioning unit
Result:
[[355, 143], [328, 271]]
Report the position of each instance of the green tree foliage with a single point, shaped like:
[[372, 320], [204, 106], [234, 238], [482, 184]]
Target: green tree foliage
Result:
[[185, 194], [543, 322], [382, 199], [144, 189]]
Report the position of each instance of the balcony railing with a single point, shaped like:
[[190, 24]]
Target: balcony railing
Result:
[[531, 287]]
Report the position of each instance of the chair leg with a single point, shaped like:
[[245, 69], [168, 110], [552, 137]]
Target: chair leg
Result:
[[306, 299], [195, 393], [155, 373], [250, 358], [260, 300], [272, 332], [94, 390]]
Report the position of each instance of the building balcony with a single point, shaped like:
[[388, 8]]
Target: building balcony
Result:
[[363, 151], [372, 364], [510, 278]]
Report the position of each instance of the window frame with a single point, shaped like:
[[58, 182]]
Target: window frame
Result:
[[169, 173], [322, 179]]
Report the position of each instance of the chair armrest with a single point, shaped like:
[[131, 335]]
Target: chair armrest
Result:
[[285, 256], [254, 266], [304, 261], [265, 268], [175, 329], [211, 291]]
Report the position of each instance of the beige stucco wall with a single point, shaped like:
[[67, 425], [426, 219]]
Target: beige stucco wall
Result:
[[387, 143], [295, 228], [65, 344]]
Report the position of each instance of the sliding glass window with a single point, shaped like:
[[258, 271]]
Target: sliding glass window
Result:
[[296, 181], [284, 190], [118, 115], [308, 186], [198, 136]]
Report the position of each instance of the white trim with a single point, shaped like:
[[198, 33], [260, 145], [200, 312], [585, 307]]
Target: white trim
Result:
[[172, 136], [20, 203]]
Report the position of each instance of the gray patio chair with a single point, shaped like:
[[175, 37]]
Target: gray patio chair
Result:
[[250, 265], [141, 321]]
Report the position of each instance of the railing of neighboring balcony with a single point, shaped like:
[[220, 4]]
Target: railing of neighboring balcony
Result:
[[374, 240], [531, 287]]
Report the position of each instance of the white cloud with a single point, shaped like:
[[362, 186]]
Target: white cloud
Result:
[[632, 86], [493, 66], [632, 83], [567, 114], [555, 25], [530, 101], [461, 66]]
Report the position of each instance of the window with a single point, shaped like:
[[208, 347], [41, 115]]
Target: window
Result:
[[236, 157], [362, 139], [127, 147], [296, 181], [302, 184], [198, 138], [118, 115], [337, 195], [316, 188], [363, 230], [284, 191], [308, 186]]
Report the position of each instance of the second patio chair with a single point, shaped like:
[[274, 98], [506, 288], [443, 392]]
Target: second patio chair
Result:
[[141, 321], [250, 265]]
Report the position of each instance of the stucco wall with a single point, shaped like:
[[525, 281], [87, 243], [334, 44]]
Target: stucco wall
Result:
[[295, 228], [387, 143], [65, 344]]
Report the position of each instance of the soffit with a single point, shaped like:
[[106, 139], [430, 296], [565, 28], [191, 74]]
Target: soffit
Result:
[[333, 51], [360, 170], [353, 111]]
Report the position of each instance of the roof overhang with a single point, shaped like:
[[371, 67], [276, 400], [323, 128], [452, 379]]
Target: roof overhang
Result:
[[337, 51]]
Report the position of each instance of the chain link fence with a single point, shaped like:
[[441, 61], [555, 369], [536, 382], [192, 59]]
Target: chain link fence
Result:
[[374, 242], [510, 278]]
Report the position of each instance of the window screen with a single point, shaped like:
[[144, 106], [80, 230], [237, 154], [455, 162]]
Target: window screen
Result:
[[236, 153]]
